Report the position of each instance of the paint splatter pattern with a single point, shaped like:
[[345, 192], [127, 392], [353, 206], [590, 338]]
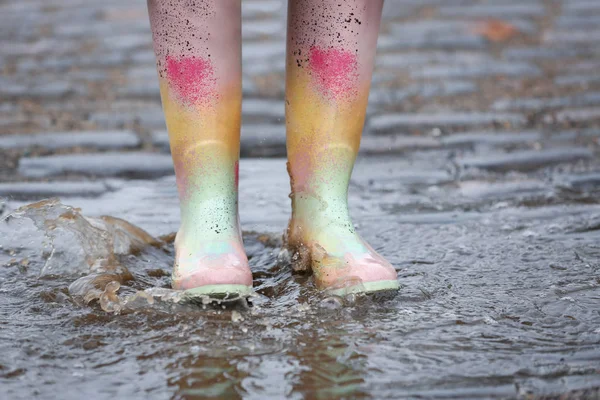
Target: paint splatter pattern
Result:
[[334, 72], [192, 79]]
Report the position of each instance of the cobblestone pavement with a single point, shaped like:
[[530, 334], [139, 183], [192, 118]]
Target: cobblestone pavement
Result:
[[476, 106], [78, 77]]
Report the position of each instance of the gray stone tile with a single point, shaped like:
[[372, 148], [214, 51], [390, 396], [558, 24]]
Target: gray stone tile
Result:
[[20, 7], [262, 28], [581, 7], [53, 90], [581, 182], [53, 63], [143, 57], [131, 165], [577, 80], [148, 89], [390, 96], [544, 53], [512, 69], [263, 67], [502, 190], [41, 89], [527, 160], [396, 123], [263, 140], [88, 75], [12, 90], [394, 96], [585, 66], [592, 132], [574, 115], [150, 118], [456, 41], [530, 9], [428, 27], [252, 51], [161, 139], [393, 9], [417, 59], [41, 46], [263, 108], [143, 72], [381, 145], [260, 8], [46, 65], [13, 120], [491, 138], [8, 107], [579, 100], [444, 27], [577, 22], [39, 190], [591, 36], [101, 28], [446, 88], [127, 42], [249, 87], [60, 140]]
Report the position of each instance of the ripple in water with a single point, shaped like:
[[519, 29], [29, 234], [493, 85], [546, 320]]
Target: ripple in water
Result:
[[501, 305]]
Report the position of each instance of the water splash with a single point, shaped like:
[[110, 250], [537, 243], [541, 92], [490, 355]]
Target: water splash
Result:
[[74, 244], [115, 264]]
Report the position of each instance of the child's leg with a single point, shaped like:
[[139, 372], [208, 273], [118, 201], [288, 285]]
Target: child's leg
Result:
[[330, 56], [198, 46]]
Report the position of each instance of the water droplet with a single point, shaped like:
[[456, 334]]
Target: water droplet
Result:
[[236, 317]]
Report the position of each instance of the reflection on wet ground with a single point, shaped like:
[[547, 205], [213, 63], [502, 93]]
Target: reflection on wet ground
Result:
[[500, 292]]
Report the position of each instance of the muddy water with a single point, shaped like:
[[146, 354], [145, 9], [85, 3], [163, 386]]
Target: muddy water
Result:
[[500, 295]]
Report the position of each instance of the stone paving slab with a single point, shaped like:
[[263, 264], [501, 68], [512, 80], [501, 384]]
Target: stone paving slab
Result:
[[513, 69], [491, 10], [574, 115], [500, 190], [387, 97], [547, 53], [587, 181], [418, 58], [40, 190], [491, 138], [62, 140], [527, 103], [571, 36], [526, 160], [395, 145], [150, 118], [577, 80], [454, 42], [263, 108], [139, 165], [401, 122]]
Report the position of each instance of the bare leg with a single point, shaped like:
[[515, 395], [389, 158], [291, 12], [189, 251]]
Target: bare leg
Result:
[[198, 50], [330, 55]]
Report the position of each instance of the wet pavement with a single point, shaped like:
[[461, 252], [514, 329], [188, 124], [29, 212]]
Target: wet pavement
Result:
[[479, 180]]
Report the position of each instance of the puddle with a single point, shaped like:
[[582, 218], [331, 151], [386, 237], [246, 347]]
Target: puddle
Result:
[[500, 294]]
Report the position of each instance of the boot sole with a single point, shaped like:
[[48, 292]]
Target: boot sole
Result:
[[366, 287], [219, 292]]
